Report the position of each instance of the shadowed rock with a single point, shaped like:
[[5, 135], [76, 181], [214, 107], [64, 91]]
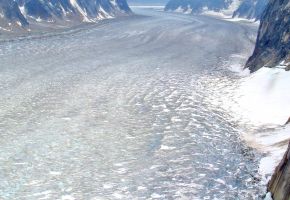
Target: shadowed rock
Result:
[[273, 42], [10, 13], [279, 184]]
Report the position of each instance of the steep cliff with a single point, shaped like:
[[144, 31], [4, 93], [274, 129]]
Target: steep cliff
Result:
[[279, 185], [273, 41], [251, 9]]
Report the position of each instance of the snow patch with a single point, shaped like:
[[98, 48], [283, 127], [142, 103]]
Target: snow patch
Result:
[[22, 10], [38, 19], [179, 10], [80, 10], [273, 144], [67, 197], [263, 97], [164, 147], [4, 29], [114, 3], [268, 196]]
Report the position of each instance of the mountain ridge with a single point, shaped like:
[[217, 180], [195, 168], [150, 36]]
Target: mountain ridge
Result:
[[21, 13], [249, 9]]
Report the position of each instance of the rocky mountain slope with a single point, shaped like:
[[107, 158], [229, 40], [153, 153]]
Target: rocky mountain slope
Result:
[[10, 14], [273, 41], [25, 12], [279, 184], [273, 51], [251, 9]]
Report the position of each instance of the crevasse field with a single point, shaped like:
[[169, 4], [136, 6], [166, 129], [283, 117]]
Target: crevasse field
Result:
[[136, 108]]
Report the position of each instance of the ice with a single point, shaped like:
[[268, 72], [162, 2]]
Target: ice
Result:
[[99, 112]]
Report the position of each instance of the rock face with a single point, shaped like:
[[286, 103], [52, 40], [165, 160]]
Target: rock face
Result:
[[273, 41], [25, 12], [251, 9], [10, 13], [196, 6], [279, 185]]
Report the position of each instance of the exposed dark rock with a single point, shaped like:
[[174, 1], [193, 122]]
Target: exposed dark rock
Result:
[[37, 9], [25, 12], [279, 184], [273, 41], [10, 13], [251, 9], [288, 121]]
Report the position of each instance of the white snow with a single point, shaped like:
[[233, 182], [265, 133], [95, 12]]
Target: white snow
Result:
[[113, 2], [19, 23], [263, 97], [104, 14], [67, 197], [225, 14], [38, 19], [274, 144], [80, 10], [233, 7], [164, 147], [4, 29], [179, 10], [22, 10], [268, 196]]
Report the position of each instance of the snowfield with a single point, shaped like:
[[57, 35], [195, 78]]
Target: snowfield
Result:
[[262, 98]]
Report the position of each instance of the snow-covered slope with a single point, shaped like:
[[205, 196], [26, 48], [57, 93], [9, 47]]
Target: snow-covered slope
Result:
[[36, 11], [197, 6], [250, 9], [263, 96]]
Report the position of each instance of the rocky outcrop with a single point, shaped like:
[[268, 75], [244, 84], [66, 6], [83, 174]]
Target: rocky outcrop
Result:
[[25, 12], [279, 185], [273, 41], [251, 9]]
